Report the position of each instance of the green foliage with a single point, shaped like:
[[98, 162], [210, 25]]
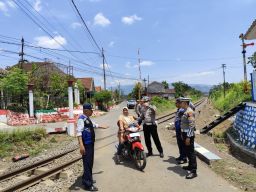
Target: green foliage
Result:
[[182, 89], [162, 104], [234, 96], [17, 108], [15, 82], [20, 140], [103, 96], [165, 84], [135, 91]]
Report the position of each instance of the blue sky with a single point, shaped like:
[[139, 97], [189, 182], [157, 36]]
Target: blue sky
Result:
[[179, 40]]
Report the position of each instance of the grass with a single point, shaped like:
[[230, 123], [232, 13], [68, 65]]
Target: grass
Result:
[[31, 141], [235, 173], [21, 141], [234, 96], [163, 105]]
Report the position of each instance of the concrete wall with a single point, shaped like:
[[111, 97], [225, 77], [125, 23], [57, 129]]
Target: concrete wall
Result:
[[245, 126]]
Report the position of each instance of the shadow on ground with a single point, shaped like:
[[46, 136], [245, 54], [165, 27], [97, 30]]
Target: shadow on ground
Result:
[[78, 185], [176, 169]]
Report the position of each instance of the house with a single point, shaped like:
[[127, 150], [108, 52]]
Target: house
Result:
[[89, 87], [98, 89], [157, 89], [46, 67]]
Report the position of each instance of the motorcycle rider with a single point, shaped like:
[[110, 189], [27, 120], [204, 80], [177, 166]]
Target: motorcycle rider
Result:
[[123, 123]]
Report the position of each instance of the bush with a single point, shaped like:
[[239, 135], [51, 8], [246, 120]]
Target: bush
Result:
[[20, 140], [234, 96], [162, 104], [17, 108]]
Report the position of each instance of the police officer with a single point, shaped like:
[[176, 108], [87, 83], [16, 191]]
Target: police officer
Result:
[[148, 115], [86, 139], [182, 153], [188, 136], [138, 108]]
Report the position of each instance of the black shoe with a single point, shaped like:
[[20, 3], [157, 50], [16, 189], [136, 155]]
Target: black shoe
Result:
[[118, 159], [178, 158], [191, 175], [182, 161], [161, 155], [92, 188], [149, 154], [186, 168]]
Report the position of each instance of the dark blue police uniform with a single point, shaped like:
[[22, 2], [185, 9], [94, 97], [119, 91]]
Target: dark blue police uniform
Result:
[[180, 142], [88, 137]]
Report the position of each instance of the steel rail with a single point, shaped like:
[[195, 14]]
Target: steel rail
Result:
[[30, 167], [38, 178]]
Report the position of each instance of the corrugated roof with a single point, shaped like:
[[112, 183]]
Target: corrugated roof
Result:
[[251, 32]]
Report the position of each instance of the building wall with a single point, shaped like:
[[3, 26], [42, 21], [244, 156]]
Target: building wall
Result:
[[245, 126]]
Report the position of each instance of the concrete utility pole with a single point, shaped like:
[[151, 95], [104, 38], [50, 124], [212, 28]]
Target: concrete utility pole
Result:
[[139, 94], [22, 53], [244, 56], [145, 86], [104, 69], [224, 80]]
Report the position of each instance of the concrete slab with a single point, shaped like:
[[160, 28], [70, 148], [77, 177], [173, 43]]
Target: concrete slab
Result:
[[22, 178], [66, 174], [205, 155], [48, 183], [41, 170]]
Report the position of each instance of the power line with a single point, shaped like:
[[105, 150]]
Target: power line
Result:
[[85, 25]]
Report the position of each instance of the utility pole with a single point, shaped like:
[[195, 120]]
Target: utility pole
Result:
[[224, 80], [244, 56], [104, 70], [145, 86], [119, 91], [22, 53], [139, 94]]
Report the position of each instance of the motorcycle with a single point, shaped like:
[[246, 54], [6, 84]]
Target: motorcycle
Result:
[[133, 148]]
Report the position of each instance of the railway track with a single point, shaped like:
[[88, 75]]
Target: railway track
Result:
[[55, 170], [170, 116]]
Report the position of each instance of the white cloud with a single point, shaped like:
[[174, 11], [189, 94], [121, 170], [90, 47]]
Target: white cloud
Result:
[[38, 5], [111, 44], [147, 63], [11, 4], [3, 7], [101, 20], [200, 74], [129, 20], [76, 25], [128, 65], [55, 43], [106, 66]]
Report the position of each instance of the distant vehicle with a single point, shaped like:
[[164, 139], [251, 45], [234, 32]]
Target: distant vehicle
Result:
[[131, 104]]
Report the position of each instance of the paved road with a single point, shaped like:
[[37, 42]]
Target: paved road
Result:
[[159, 174]]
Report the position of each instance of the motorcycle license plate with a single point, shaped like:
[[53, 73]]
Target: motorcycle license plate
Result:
[[134, 135]]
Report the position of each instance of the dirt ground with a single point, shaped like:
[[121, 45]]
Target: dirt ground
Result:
[[236, 172]]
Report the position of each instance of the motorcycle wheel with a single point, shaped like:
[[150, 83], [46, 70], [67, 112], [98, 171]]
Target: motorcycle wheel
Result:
[[140, 159]]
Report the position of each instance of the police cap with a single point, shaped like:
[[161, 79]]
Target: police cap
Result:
[[186, 99], [88, 106]]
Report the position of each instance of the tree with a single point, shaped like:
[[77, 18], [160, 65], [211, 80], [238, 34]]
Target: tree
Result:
[[135, 91], [165, 84], [15, 82], [103, 96], [180, 88]]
